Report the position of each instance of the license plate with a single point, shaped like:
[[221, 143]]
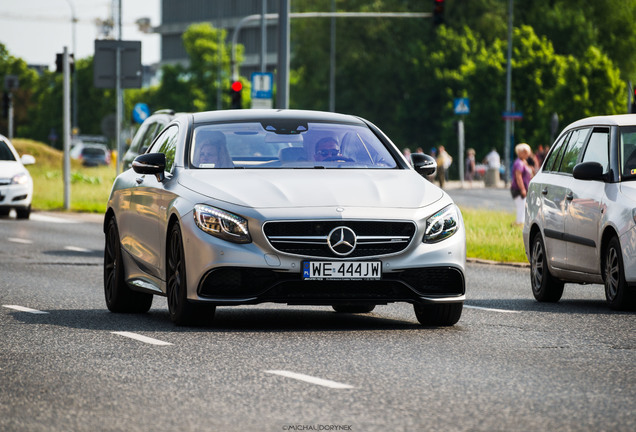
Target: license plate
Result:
[[342, 270]]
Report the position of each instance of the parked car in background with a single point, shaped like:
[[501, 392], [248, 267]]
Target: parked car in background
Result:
[[16, 185], [287, 206], [94, 155], [79, 141], [149, 129], [580, 222]]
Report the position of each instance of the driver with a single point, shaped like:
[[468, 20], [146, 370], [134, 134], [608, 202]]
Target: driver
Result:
[[327, 148]]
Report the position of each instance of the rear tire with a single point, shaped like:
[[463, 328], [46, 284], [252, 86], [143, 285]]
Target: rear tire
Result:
[[617, 293], [353, 308], [545, 287], [119, 297], [438, 314]]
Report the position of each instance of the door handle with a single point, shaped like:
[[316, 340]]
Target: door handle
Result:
[[544, 191], [139, 180]]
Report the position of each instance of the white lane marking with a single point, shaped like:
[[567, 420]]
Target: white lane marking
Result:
[[19, 240], [310, 379], [76, 249], [52, 219], [492, 309], [142, 338], [24, 309]]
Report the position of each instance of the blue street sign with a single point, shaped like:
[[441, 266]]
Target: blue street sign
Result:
[[141, 112], [262, 84], [506, 115], [461, 106]]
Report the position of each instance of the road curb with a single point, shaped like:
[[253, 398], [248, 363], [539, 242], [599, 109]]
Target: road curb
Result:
[[499, 263]]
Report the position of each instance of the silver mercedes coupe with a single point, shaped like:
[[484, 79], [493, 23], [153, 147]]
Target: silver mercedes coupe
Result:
[[297, 207]]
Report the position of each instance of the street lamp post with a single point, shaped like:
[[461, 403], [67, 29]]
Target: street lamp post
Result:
[[73, 74]]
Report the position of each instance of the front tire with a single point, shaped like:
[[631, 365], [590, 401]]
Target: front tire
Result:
[[23, 213], [119, 297], [182, 312], [438, 314], [617, 292], [545, 287]]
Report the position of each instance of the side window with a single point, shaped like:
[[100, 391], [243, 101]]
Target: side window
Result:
[[598, 148], [551, 163], [150, 134], [571, 154], [166, 143]]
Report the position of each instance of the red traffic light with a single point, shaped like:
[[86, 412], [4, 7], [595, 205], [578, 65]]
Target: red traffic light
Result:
[[237, 86]]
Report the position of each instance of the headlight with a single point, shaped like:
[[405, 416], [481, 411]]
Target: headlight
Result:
[[442, 225], [21, 178], [221, 224]]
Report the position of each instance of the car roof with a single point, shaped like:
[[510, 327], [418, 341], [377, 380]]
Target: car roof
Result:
[[609, 120], [260, 114]]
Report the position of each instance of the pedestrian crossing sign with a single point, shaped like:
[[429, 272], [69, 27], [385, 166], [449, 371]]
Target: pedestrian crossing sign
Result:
[[461, 106]]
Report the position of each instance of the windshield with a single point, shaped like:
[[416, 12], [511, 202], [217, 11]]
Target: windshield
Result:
[[282, 145], [627, 148], [5, 152]]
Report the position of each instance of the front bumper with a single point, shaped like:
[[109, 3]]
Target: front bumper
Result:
[[15, 195]]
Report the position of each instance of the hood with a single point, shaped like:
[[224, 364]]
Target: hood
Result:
[[10, 168], [313, 188]]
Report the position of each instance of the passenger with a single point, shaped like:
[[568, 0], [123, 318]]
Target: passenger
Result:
[[212, 151]]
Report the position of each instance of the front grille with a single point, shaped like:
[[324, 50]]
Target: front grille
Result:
[[310, 238]]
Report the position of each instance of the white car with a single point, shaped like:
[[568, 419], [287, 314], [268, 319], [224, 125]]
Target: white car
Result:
[[16, 185], [580, 222], [287, 206]]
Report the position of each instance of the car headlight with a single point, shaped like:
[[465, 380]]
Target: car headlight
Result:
[[221, 224], [441, 225], [21, 178]]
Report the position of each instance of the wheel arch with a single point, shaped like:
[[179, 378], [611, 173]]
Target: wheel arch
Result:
[[608, 234]]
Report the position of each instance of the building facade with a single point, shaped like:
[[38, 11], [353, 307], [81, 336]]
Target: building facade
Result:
[[177, 15]]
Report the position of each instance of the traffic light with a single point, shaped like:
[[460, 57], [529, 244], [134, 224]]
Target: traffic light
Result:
[[235, 94], [59, 62], [633, 110], [438, 12]]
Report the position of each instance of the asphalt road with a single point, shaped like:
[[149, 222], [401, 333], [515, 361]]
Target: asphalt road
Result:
[[510, 364]]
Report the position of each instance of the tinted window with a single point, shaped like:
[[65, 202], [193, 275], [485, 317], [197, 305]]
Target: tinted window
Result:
[[555, 155], [598, 148], [574, 147], [167, 144], [627, 148]]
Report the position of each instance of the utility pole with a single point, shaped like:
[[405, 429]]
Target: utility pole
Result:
[[282, 92], [66, 109], [508, 138]]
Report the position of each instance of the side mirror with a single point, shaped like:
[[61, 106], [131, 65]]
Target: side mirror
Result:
[[27, 159], [424, 164], [151, 163], [588, 171]]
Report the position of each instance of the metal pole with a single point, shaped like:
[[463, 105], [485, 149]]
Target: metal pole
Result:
[[263, 36], [282, 92], [460, 137], [120, 98], [74, 73], [66, 109], [10, 113], [332, 61], [508, 138]]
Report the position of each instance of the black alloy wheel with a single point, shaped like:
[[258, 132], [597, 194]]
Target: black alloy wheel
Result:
[[119, 297], [617, 292], [545, 287], [182, 312]]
